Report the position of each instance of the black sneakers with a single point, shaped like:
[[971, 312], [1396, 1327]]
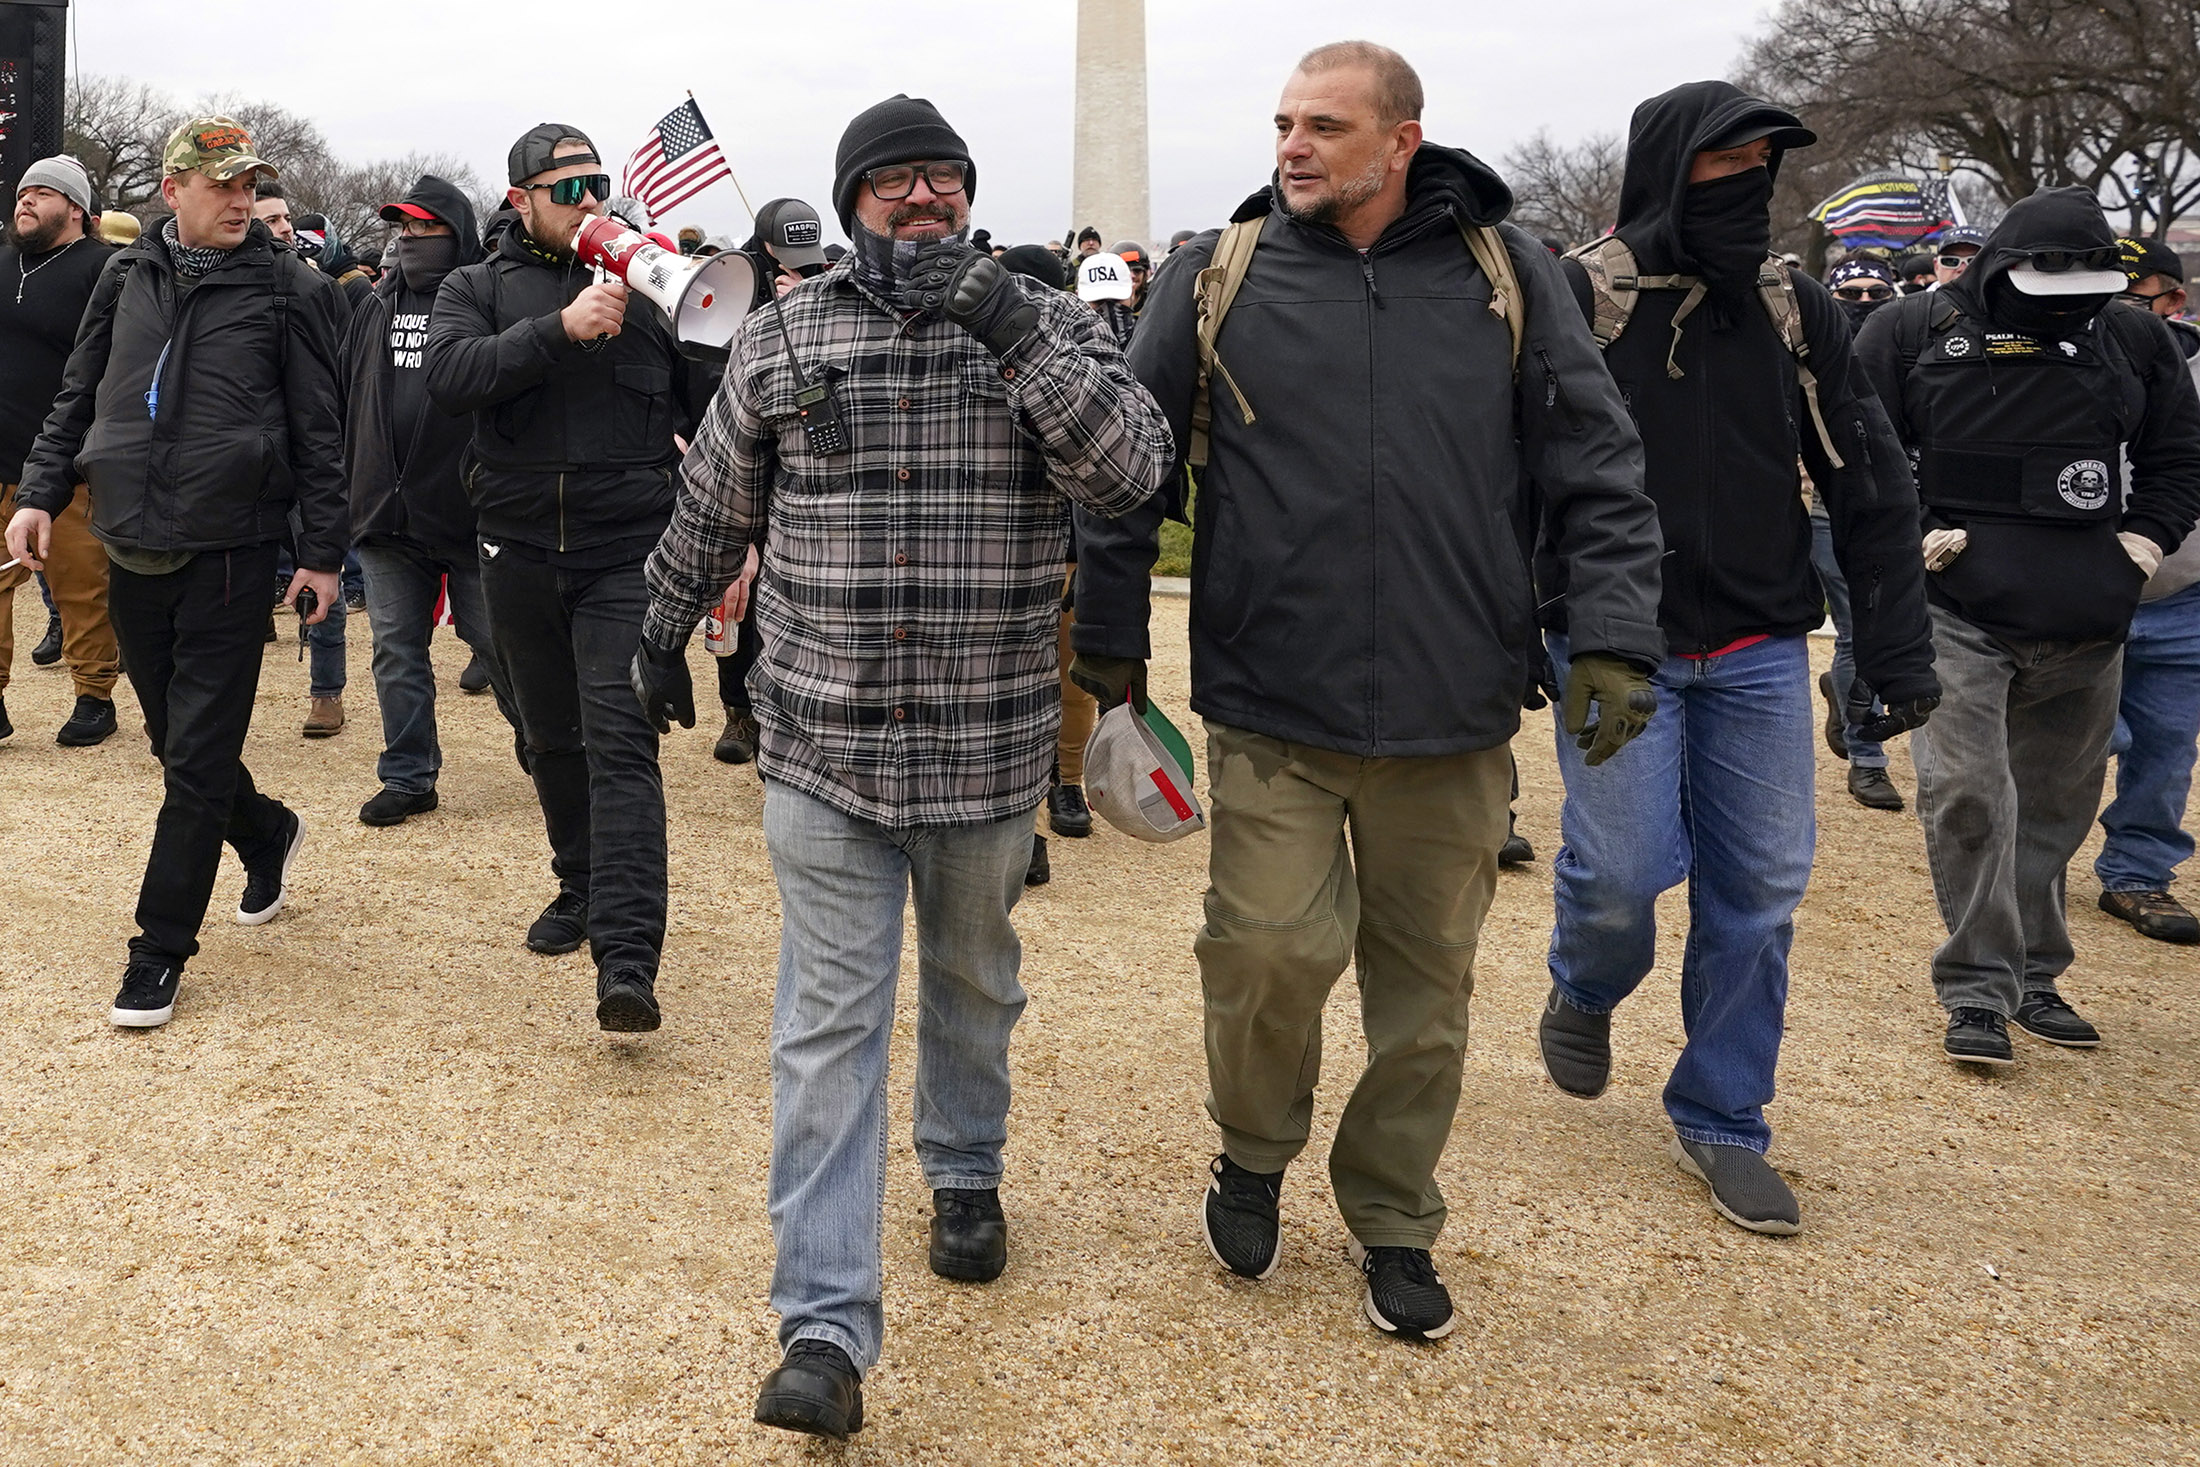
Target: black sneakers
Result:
[[2154, 914], [267, 884], [563, 925], [1405, 1295], [475, 679], [1872, 789], [148, 996], [1745, 1190], [1067, 811], [2048, 1015], [1240, 1218], [969, 1235], [395, 807], [626, 1001], [1837, 726], [1514, 852], [1039, 872], [89, 724], [1978, 1037], [48, 650], [737, 744], [1576, 1047], [7, 729], [815, 1390]]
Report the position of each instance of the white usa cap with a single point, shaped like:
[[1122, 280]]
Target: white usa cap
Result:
[[1138, 775], [1103, 277]]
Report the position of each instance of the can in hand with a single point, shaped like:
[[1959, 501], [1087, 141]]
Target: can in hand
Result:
[[715, 640]]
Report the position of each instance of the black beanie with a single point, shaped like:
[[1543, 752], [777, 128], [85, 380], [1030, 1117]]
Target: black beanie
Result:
[[901, 129]]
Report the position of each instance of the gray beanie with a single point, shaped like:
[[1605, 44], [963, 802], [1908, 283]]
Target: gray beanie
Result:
[[64, 175]]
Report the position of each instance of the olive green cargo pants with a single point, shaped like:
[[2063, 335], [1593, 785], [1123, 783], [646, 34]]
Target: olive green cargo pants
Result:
[[1319, 859]]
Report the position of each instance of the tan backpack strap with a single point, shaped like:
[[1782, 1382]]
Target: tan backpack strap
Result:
[[1776, 289], [1488, 248], [1610, 266], [1689, 302], [1213, 292]]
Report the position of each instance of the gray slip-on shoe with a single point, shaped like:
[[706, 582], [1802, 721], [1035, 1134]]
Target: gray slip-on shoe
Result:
[[1576, 1047], [1744, 1188]]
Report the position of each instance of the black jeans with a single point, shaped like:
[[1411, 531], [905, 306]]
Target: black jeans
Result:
[[733, 668], [191, 644], [566, 638]]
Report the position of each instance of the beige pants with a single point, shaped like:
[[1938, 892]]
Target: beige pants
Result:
[[76, 573], [1318, 859]]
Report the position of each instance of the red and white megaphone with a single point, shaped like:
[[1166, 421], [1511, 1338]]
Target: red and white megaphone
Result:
[[705, 297]]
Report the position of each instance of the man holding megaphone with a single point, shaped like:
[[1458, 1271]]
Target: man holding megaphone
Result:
[[576, 397]]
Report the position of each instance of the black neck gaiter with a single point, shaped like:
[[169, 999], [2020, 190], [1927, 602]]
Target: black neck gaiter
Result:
[[882, 263], [1726, 228]]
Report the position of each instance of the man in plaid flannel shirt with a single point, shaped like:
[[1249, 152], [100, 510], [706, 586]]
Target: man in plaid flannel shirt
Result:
[[898, 434]]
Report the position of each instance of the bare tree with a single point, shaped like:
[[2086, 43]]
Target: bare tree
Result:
[[1570, 192], [115, 127]]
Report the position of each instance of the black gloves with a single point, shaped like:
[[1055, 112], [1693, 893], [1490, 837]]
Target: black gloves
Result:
[[1111, 680], [1624, 698], [659, 677], [1891, 719], [971, 290]]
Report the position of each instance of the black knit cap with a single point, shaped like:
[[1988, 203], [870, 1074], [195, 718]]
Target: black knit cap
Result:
[[901, 129]]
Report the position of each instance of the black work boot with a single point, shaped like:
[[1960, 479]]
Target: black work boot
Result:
[[48, 650], [814, 1390], [969, 1235], [1067, 811], [1872, 789]]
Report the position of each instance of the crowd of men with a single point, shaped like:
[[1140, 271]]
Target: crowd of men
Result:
[[1442, 472]]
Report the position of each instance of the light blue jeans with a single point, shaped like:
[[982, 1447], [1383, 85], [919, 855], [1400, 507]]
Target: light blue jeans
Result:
[[2157, 720], [1717, 792], [843, 884]]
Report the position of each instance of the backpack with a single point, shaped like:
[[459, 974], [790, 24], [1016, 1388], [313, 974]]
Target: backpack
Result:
[[1218, 284], [1615, 284]]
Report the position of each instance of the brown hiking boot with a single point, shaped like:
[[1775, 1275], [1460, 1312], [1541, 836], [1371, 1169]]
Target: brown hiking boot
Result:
[[2156, 914], [325, 718]]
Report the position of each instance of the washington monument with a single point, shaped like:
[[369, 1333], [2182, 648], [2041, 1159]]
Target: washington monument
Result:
[[1108, 179]]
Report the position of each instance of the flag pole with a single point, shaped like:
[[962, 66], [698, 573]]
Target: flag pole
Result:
[[744, 193]]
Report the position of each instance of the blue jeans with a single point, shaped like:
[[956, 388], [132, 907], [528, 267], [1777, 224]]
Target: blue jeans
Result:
[[2157, 721], [324, 639], [403, 580], [1717, 792], [842, 885], [1863, 754]]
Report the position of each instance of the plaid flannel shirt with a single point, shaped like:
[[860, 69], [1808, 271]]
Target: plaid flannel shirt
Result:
[[910, 585]]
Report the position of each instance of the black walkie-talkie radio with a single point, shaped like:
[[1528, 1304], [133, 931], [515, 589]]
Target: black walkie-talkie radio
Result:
[[817, 403]]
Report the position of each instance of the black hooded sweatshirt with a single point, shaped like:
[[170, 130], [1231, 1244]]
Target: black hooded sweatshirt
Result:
[[2047, 580], [1360, 565], [1721, 442], [404, 457]]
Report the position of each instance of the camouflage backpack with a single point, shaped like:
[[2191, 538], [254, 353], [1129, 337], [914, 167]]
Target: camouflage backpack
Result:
[[1615, 283], [1218, 284]]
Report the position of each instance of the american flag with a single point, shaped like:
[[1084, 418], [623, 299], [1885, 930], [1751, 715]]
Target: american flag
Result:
[[676, 162]]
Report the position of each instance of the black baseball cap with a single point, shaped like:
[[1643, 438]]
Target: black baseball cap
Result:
[[792, 232], [1783, 128], [2140, 258], [532, 153]]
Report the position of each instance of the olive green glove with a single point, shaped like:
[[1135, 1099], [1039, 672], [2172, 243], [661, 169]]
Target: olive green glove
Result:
[[1624, 699], [1110, 680]]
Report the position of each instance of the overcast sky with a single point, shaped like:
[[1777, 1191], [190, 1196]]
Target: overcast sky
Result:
[[779, 82]]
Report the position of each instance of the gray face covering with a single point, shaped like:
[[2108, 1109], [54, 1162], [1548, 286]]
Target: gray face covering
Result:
[[425, 259], [884, 264]]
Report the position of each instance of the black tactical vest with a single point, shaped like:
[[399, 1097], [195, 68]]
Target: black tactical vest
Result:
[[2021, 429]]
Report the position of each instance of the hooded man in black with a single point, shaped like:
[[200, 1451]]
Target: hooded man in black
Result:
[[1363, 633], [2018, 394], [405, 460], [1711, 360]]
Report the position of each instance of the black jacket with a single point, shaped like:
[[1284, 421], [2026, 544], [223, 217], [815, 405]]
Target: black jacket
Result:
[[1360, 562], [2048, 580], [36, 336], [572, 446], [406, 476], [248, 418], [1721, 442]]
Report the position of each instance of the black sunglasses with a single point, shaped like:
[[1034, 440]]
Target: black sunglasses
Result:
[[572, 190], [1865, 292], [900, 180], [2058, 262]]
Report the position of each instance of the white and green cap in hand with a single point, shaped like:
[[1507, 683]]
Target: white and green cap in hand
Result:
[[1138, 775]]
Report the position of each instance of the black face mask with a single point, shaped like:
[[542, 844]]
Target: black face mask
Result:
[[1726, 227], [2051, 317], [425, 259], [1856, 311]]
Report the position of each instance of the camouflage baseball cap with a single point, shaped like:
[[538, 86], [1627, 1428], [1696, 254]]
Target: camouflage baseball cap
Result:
[[218, 147]]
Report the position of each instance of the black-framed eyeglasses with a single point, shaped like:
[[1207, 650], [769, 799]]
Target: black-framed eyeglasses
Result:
[[1952, 262], [2059, 262], [899, 180], [571, 191], [1865, 292]]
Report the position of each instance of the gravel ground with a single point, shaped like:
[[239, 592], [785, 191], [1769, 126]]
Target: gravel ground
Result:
[[383, 1193]]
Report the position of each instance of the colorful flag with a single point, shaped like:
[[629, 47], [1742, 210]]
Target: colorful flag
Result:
[[1890, 210], [677, 161]]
